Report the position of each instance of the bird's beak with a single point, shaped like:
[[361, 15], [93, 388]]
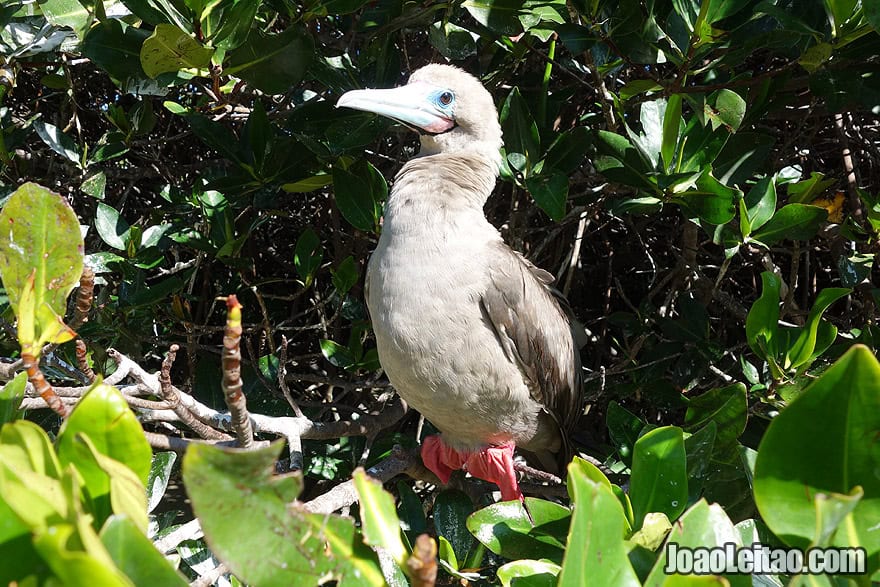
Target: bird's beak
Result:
[[410, 104]]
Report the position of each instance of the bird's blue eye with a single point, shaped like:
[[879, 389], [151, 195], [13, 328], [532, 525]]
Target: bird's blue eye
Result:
[[445, 99]]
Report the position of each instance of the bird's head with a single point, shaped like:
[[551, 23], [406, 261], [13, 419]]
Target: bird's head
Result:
[[449, 107]]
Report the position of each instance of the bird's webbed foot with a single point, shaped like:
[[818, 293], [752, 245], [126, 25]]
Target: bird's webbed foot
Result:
[[490, 463]]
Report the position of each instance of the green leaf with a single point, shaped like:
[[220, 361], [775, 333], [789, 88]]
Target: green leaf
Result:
[[359, 192], [41, 260], [272, 63], [25, 446], [73, 566], [550, 193], [136, 556], [116, 50], [807, 190], [68, 13], [345, 276], [170, 49], [235, 23], [308, 184], [160, 474], [568, 150], [801, 352], [624, 428], [112, 227], [872, 13], [451, 511], [760, 203], [104, 416], [671, 125], [500, 16], [453, 41], [653, 531], [659, 474], [506, 530], [762, 321], [728, 110], [825, 442], [528, 573], [338, 355], [702, 526], [58, 142], [619, 161], [251, 524], [10, 398], [127, 495], [307, 255], [520, 132], [792, 221], [595, 541], [94, 185], [379, 521], [727, 407], [710, 200]]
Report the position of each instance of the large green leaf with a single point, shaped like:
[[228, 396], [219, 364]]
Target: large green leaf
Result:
[[804, 347], [550, 193], [75, 567], [825, 441], [41, 260], [360, 191], [251, 522], [381, 526], [595, 542], [710, 200], [521, 139], [104, 416], [763, 318], [451, 511], [505, 529], [760, 204], [116, 49], [170, 49], [10, 398], [702, 526], [727, 407], [69, 13], [659, 474], [500, 16], [793, 221], [136, 556], [272, 63]]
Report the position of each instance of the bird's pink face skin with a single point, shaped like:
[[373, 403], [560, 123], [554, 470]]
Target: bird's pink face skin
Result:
[[417, 104]]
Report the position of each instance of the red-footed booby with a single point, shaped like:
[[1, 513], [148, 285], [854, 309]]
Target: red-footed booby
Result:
[[468, 331]]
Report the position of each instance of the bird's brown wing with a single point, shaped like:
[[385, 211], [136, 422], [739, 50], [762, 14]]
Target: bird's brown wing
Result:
[[536, 334]]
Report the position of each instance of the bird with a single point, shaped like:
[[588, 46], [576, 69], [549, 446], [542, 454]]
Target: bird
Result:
[[468, 331]]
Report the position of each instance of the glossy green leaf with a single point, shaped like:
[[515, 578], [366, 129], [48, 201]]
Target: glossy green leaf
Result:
[[126, 492], [505, 529], [659, 474], [250, 523], [359, 192], [156, 12], [170, 49], [801, 352], [136, 556], [825, 442], [550, 193], [70, 13], [763, 317], [619, 161], [701, 526], [58, 142], [528, 573], [792, 221], [235, 22], [727, 407], [710, 200], [104, 416], [160, 474], [41, 260], [728, 110], [272, 63], [624, 428], [112, 227], [345, 275], [453, 41], [116, 49], [308, 184], [568, 150], [379, 521], [10, 398], [595, 542], [520, 131], [451, 511], [699, 448], [26, 446], [500, 16], [75, 567], [307, 255], [338, 355], [671, 125], [760, 203]]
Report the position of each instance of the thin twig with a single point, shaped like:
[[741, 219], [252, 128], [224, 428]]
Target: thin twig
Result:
[[232, 384]]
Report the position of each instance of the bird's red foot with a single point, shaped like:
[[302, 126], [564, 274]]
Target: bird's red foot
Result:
[[491, 463]]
